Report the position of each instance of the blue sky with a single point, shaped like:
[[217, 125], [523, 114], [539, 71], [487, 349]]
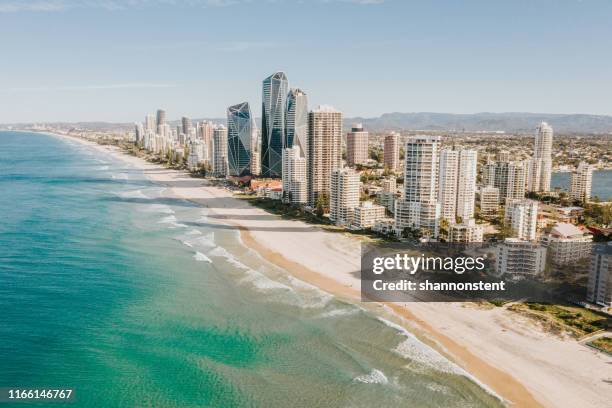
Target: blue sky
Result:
[[108, 60]]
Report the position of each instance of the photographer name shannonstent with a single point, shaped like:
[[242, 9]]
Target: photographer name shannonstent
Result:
[[413, 264]]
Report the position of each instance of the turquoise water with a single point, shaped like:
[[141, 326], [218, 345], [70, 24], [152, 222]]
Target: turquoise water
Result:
[[126, 296], [602, 183]]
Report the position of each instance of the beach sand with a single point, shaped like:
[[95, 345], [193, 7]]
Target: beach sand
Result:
[[506, 352]]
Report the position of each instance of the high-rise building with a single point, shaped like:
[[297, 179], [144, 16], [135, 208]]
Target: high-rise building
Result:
[[160, 119], [220, 151], [186, 123], [205, 134], [508, 177], [522, 216], [447, 192], [356, 146], [344, 195], [274, 104], [466, 184], [138, 133], [599, 287], [149, 124], [324, 150], [296, 121], [391, 151], [419, 208], [295, 188], [489, 201], [540, 166], [242, 140], [582, 180]]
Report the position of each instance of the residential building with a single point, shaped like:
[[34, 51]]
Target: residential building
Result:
[[219, 162], [522, 216], [296, 121], [275, 89], [324, 150], [489, 201], [508, 177], [344, 196], [295, 189], [540, 165], [242, 140], [599, 287], [356, 146], [581, 182], [466, 232], [367, 215], [392, 151], [519, 259], [567, 244], [186, 125]]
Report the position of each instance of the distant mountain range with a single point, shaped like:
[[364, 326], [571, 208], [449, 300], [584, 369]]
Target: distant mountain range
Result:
[[509, 122]]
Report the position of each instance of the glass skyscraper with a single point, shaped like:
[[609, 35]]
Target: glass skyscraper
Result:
[[274, 104], [241, 139], [296, 120]]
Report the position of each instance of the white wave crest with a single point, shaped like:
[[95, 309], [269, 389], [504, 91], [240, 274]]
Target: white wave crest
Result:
[[201, 257], [374, 377]]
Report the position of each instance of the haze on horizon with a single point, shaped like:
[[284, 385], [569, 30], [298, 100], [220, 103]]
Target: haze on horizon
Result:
[[77, 60]]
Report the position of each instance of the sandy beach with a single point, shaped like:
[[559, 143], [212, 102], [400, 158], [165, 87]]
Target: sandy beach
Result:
[[503, 350]]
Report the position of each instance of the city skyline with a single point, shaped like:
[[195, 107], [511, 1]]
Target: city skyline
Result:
[[520, 65]]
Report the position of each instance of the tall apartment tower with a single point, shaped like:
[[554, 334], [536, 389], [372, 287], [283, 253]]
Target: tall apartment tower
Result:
[[205, 131], [160, 119], [242, 140], [391, 151], [219, 161], [522, 215], [324, 149], [582, 180], [295, 189], [344, 195], [509, 177], [540, 165], [356, 146], [296, 120], [186, 125], [420, 208], [149, 124], [275, 88], [457, 184]]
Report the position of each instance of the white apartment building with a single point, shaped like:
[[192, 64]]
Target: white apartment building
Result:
[[219, 162], [356, 146], [367, 215], [581, 182], [518, 258], [466, 232], [508, 177], [295, 189], [344, 196], [522, 216], [567, 244], [457, 184], [540, 165]]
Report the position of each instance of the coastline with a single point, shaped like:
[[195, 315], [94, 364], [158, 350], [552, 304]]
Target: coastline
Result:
[[454, 330]]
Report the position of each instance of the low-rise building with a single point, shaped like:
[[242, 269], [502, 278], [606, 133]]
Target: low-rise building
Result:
[[567, 244], [367, 214], [489, 201], [466, 232], [518, 259]]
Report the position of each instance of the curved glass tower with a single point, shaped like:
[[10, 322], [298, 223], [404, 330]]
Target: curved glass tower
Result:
[[241, 139], [273, 124], [296, 120]]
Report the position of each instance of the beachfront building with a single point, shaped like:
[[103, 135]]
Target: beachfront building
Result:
[[489, 201], [599, 287], [294, 178], [391, 151], [567, 244], [581, 182], [367, 215], [517, 258], [522, 216], [457, 184], [540, 165], [466, 232], [242, 141], [324, 150], [356, 146], [219, 161], [204, 132], [344, 195], [273, 115], [419, 208], [296, 120]]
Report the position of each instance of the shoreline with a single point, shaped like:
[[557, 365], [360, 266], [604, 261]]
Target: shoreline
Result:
[[332, 268]]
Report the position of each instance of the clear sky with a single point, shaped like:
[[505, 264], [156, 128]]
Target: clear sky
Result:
[[73, 60]]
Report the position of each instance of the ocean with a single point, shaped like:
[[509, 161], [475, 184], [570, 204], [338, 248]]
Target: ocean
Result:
[[131, 300]]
